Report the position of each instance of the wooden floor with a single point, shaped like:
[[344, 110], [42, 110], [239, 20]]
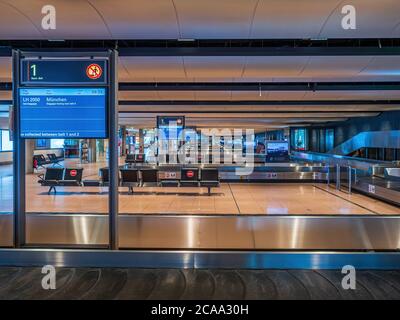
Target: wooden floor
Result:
[[230, 198], [95, 283]]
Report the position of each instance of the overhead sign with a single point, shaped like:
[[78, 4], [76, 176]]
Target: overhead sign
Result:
[[166, 121], [57, 71], [277, 151], [170, 127]]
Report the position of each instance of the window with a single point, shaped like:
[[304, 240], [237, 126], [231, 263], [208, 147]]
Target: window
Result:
[[6, 144], [41, 144], [49, 144], [57, 143]]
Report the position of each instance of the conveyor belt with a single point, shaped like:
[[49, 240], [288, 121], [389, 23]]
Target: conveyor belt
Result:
[[160, 284], [268, 172], [380, 188], [383, 183]]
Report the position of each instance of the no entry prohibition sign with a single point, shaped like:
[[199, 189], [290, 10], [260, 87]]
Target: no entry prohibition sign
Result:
[[94, 71]]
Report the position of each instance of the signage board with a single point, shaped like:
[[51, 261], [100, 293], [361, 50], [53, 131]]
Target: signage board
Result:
[[170, 127], [63, 113], [371, 188], [46, 71], [277, 151]]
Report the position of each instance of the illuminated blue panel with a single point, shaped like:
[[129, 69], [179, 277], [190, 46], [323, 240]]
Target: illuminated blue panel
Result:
[[63, 113], [277, 151], [170, 127]]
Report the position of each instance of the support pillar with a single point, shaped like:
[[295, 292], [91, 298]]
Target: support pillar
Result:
[[123, 142], [113, 153], [29, 152], [92, 150], [141, 141]]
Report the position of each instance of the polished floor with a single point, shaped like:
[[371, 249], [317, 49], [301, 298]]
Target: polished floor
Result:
[[128, 284], [230, 198]]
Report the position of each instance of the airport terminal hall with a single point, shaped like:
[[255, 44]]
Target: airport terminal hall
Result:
[[198, 149]]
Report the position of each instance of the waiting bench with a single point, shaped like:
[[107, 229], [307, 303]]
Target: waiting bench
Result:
[[129, 177], [135, 158], [39, 160], [54, 159], [60, 177], [190, 177]]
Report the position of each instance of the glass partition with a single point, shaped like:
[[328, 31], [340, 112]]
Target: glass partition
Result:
[[67, 186], [6, 188]]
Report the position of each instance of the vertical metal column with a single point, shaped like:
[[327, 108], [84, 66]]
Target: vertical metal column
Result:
[[123, 144], [18, 160], [328, 175], [113, 153], [338, 176], [350, 177]]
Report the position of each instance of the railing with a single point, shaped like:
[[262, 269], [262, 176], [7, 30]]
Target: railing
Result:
[[369, 139], [345, 178], [347, 170], [333, 160]]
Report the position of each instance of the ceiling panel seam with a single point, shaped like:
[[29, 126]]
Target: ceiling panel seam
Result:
[[184, 67], [177, 19], [120, 61], [101, 17], [304, 66], [244, 67], [395, 27], [25, 15], [329, 16], [368, 64], [252, 18], [158, 94]]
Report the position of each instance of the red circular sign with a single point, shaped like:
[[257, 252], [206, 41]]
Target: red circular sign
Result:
[[94, 71], [190, 174], [73, 173]]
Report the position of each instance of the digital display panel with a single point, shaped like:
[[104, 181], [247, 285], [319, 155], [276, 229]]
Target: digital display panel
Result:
[[277, 151], [169, 127], [63, 113], [59, 71]]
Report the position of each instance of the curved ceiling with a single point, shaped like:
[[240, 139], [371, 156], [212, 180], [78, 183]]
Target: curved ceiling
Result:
[[224, 19], [194, 19], [250, 69], [260, 69]]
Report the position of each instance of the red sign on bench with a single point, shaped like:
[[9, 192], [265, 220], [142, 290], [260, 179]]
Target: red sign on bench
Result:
[[190, 174]]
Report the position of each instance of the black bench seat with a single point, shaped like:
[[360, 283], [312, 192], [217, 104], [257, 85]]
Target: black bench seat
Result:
[[209, 178], [60, 177], [189, 177], [39, 160], [53, 159], [130, 177]]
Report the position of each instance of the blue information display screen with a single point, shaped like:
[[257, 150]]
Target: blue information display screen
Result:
[[63, 113], [277, 151], [170, 127]]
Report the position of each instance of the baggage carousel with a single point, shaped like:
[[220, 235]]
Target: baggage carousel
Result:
[[383, 188], [265, 172]]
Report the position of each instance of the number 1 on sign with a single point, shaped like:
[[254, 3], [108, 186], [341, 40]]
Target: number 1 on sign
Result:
[[33, 68]]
